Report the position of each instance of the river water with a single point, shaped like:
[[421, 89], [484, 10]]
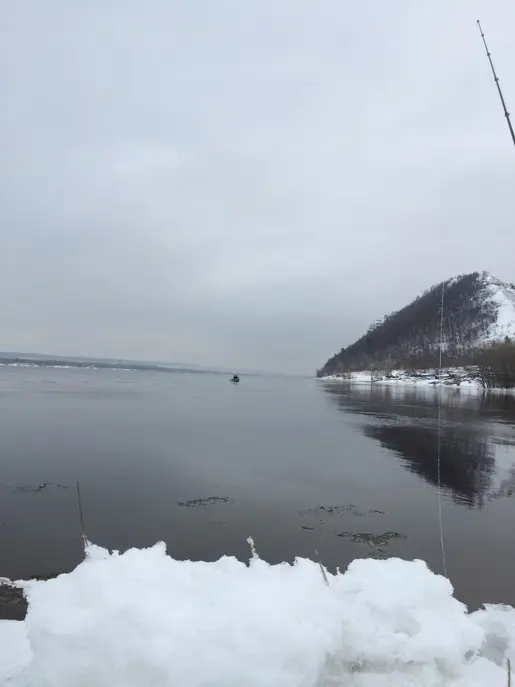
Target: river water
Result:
[[305, 468]]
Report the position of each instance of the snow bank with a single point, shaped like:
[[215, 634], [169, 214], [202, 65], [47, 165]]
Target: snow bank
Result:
[[450, 378], [456, 377], [143, 618]]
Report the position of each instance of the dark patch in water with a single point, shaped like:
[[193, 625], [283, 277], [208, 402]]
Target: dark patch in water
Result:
[[349, 509], [13, 605], [376, 542], [39, 487], [199, 503], [373, 540]]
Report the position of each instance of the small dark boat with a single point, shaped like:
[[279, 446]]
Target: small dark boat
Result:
[[235, 379]]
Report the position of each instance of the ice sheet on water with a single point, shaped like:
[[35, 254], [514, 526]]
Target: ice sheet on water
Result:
[[143, 618]]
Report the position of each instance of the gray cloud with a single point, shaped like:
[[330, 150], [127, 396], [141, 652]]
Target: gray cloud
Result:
[[244, 183]]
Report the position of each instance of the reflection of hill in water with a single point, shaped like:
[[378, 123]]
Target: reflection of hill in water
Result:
[[466, 460], [406, 424]]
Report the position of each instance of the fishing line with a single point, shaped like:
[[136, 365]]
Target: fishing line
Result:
[[438, 423]]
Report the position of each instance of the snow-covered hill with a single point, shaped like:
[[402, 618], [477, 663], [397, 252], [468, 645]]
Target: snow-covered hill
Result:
[[502, 297], [478, 310]]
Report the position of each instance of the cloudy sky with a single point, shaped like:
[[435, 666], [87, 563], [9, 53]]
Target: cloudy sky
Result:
[[246, 183]]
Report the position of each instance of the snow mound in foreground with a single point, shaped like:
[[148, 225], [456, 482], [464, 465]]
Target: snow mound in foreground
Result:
[[143, 618]]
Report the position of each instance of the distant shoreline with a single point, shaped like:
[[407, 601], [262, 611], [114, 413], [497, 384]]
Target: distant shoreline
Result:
[[64, 363]]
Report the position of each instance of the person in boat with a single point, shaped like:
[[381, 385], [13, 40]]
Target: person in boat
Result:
[[235, 378]]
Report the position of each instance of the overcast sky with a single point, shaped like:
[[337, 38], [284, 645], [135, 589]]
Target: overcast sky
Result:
[[245, 183]]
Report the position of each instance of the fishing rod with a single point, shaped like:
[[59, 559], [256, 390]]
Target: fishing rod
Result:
[[441, 344], [496, 79]]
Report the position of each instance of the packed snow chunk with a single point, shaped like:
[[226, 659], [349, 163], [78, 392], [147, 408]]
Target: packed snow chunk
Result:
[[143, 618], [15, 653]]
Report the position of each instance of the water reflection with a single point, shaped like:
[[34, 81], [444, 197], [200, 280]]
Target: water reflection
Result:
[[466, 459], [477, 435]]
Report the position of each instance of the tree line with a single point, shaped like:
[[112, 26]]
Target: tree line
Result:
[[496, 365]]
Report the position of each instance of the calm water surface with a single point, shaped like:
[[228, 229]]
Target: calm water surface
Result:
[[284, 451]]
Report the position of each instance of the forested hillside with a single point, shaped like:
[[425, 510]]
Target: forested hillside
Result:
[[478, 310]]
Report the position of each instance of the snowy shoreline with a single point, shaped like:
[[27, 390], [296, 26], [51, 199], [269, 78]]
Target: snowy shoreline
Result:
[[450, 377], [381, 622]]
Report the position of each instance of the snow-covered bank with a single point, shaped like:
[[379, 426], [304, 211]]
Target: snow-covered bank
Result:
[[452, 377], [143, 618]]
